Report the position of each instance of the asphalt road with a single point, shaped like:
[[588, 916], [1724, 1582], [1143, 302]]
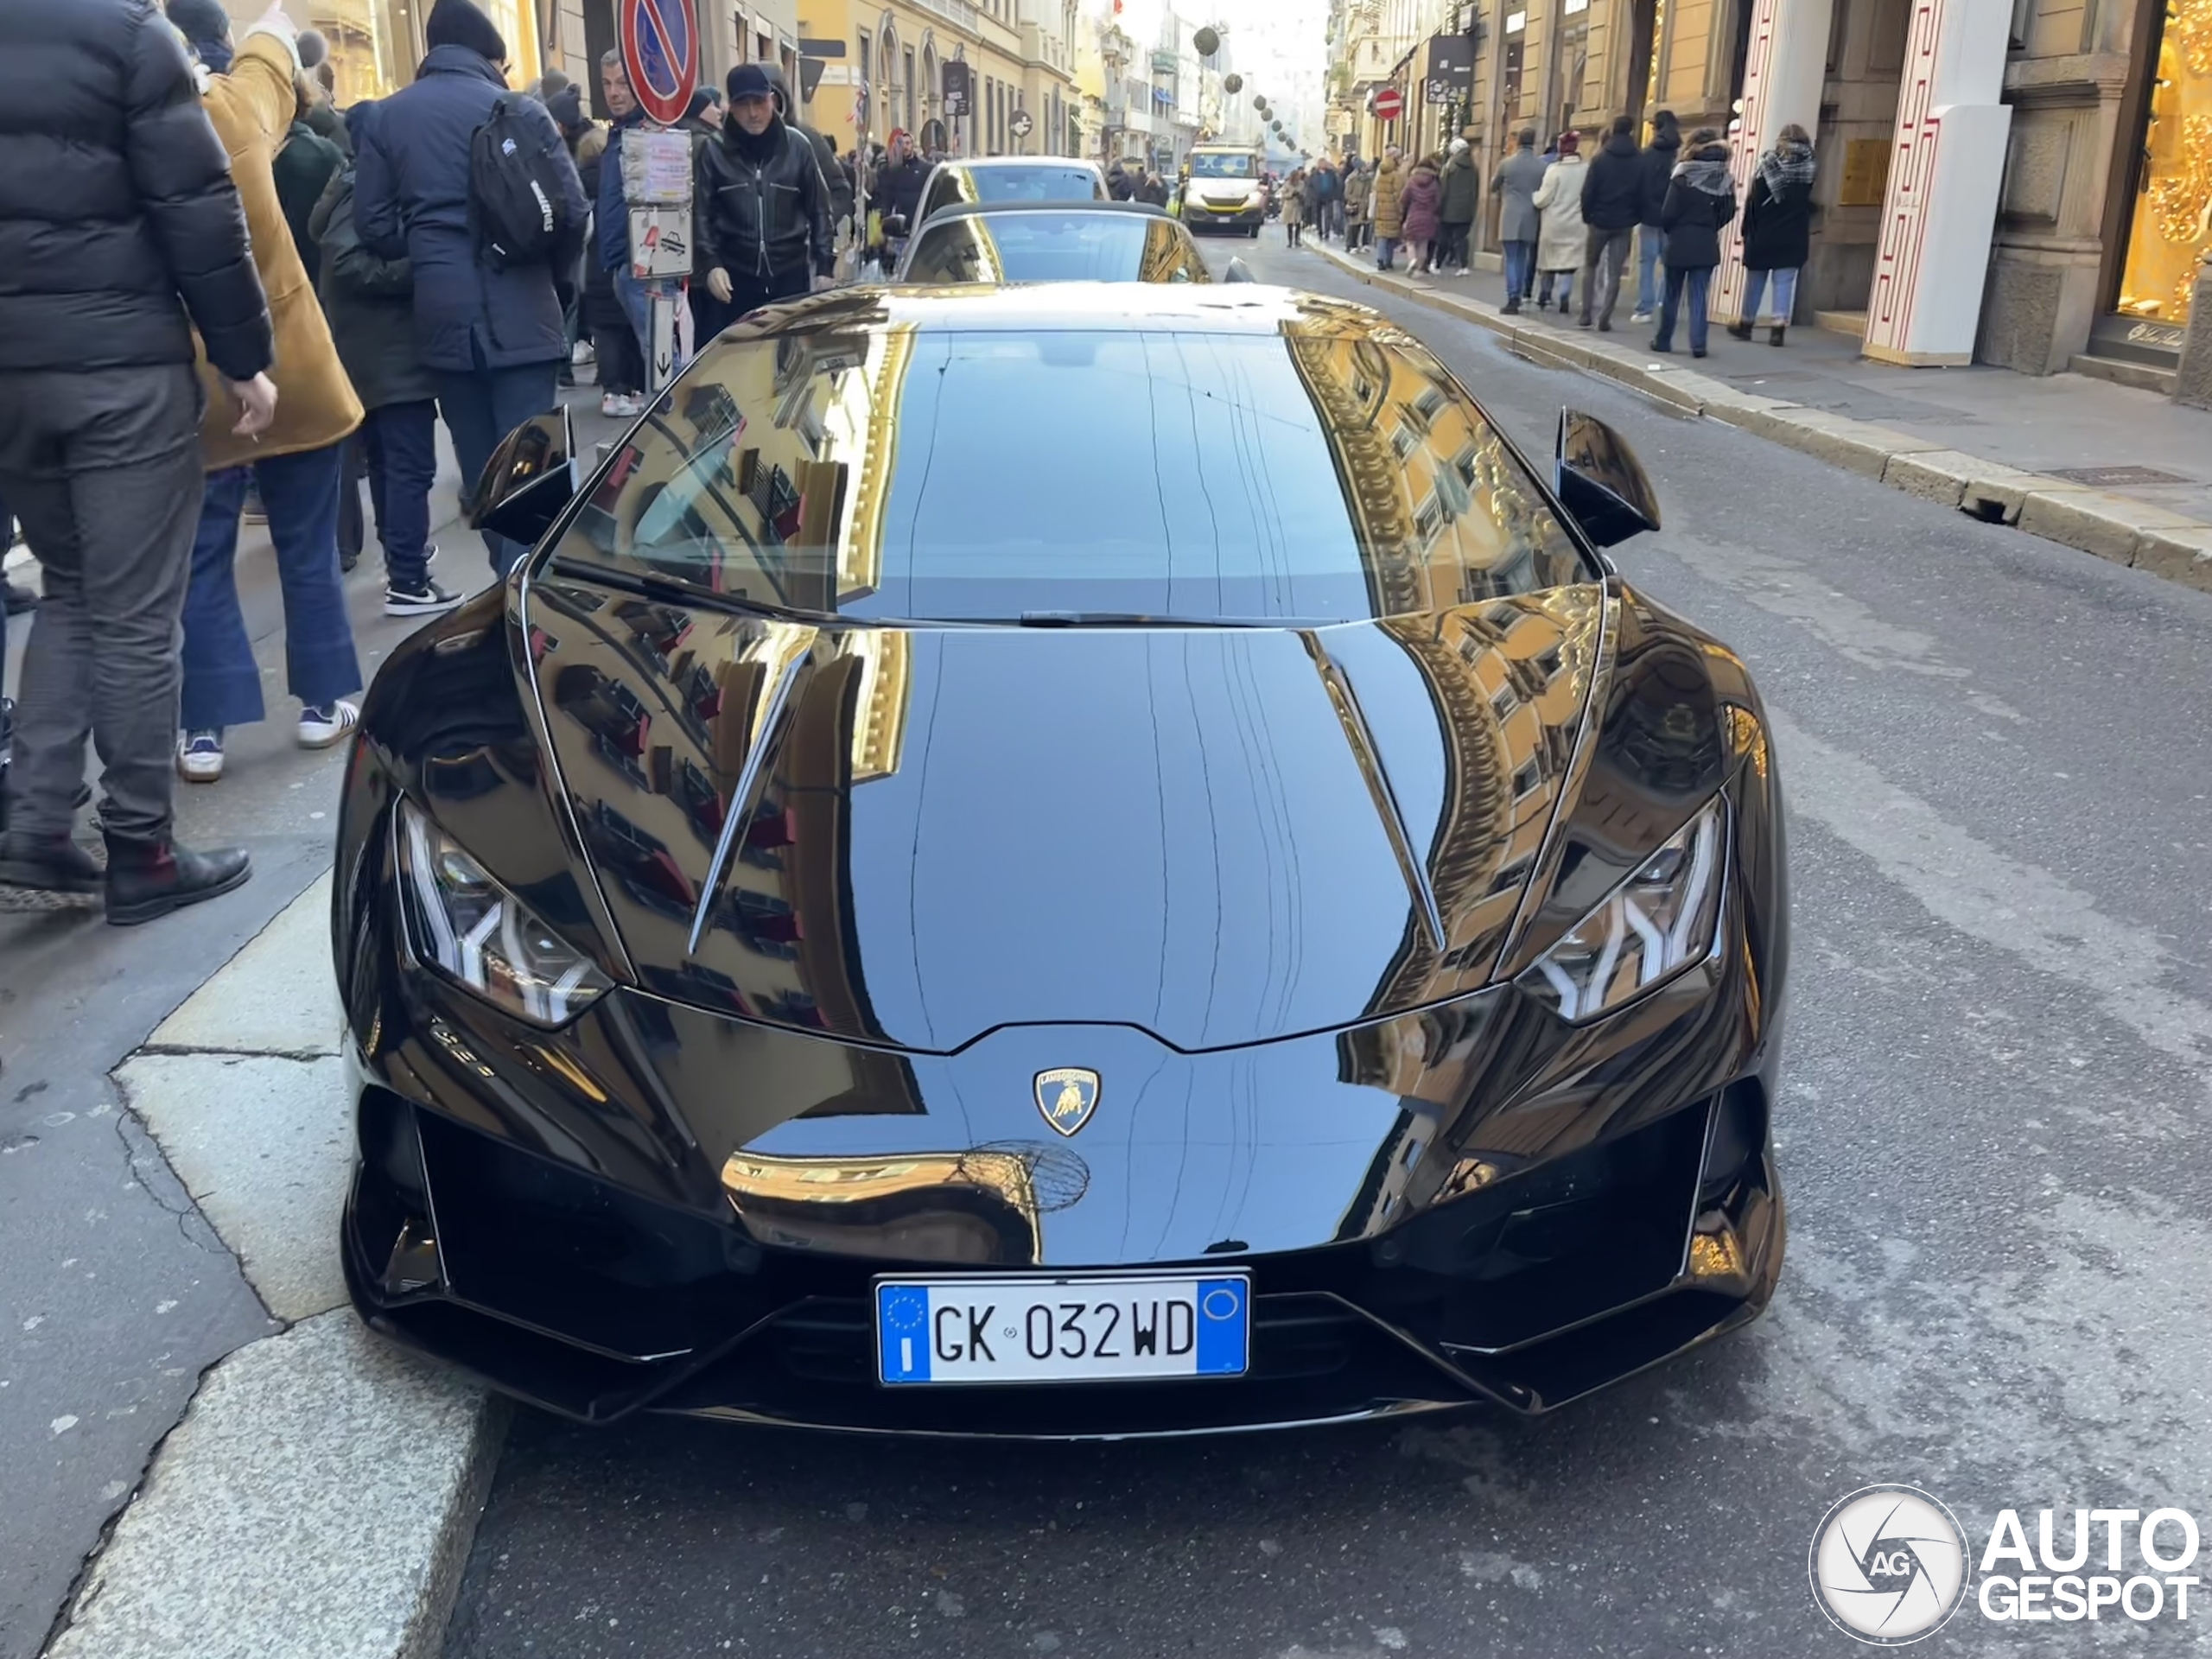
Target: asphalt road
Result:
[[115, 1293], [1997, 753]]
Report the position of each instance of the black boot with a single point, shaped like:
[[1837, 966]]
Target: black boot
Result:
[[58, 865], [1740, 330], [147, 879], [1775, 338]]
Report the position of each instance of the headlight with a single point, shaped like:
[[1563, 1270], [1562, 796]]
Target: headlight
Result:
[[1660, 921], [472, 930]]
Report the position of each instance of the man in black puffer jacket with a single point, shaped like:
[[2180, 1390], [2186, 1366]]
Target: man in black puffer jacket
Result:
[[1613, 203], [763, 219], [120, 233]]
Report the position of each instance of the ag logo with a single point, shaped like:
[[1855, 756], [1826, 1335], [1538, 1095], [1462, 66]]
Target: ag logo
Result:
[[1067, 1097], [1889, 1565]]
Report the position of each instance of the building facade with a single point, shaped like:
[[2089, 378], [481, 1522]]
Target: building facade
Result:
[[2022, 182], [893, 72]]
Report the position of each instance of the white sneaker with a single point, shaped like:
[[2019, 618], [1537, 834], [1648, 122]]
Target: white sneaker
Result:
[[585, 353], [427, 599], [1639, 316], [200, 757], [610, 405], [332, 723]]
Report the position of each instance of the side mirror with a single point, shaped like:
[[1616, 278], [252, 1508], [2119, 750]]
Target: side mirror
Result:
[[1601, 482], [530, 477], [1238, 271]]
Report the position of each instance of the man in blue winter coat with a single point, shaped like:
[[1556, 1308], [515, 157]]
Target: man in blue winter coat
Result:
[[493, 337]]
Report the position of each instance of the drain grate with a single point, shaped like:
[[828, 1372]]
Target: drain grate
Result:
[[2115, 477]]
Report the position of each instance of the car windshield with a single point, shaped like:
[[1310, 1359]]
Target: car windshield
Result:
[[902, 472], [1223, 166], [1046, 181], [1052, 247]]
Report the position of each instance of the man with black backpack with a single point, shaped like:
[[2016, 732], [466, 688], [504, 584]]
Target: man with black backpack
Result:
[[472, 183]]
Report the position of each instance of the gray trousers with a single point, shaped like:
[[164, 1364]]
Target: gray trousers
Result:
[[102, 466]]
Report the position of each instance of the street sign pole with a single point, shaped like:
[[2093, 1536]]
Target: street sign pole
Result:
[[660, 50]]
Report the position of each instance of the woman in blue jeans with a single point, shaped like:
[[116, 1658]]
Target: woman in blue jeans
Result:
[[222, 684], [1700, 203]]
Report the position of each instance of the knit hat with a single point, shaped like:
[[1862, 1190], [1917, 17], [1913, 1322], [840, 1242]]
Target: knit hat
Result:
[[748, 80], [199, 20], [456, 22], [1570, 143], [1459, 144]]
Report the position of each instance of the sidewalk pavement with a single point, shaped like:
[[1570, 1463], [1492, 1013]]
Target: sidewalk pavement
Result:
[[322, 1493], [2123, 474]]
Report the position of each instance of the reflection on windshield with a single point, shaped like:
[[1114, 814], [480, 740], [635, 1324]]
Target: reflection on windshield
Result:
[[1052, 247], [1204, 166], [1043, 182], [892, 472]]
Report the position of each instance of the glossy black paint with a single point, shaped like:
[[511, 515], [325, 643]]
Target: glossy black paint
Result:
[[1297, 984], [1601, 482], [529, 481]]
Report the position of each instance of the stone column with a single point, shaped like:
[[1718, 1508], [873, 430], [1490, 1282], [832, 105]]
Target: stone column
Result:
[[1938, 218], [2193, 385], [1783, 76]]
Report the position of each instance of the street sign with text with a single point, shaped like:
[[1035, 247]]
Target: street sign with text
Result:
[[660, 48], [957, 94]]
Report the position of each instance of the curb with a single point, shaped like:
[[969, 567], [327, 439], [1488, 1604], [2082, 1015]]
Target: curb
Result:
[[2115, 528], [320, 1494]]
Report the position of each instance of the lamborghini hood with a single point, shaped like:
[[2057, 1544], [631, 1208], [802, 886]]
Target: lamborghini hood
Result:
[[1217, 836]]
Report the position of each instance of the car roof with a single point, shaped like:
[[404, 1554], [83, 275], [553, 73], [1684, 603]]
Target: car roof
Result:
[[975, 163], [1183, 308], [983, 209]]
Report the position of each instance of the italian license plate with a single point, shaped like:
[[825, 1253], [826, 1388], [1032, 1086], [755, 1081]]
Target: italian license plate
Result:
[[1062, 1330]]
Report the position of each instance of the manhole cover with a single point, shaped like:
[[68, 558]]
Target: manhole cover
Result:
[[2116, 477]]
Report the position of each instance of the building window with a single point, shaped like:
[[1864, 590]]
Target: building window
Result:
[[907, 80], [2172, 217]]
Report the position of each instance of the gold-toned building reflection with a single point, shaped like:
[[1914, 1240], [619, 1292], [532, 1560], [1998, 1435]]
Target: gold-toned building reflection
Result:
[[766, 479], [981, 1207]]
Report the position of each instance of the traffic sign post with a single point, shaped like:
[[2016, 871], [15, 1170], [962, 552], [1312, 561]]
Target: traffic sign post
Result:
[[657, 190], [1389, 104], [660, 49], [1020, 124]]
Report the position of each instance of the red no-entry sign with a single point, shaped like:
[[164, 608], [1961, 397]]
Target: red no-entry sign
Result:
[[660, 48], [1389, 103]]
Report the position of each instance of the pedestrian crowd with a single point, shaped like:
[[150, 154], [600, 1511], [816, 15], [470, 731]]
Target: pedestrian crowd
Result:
[[1563, 217], [223, 297]]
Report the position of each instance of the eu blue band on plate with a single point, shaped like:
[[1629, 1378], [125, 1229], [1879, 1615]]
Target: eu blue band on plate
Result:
[[1221, 1326], [902, 1326]]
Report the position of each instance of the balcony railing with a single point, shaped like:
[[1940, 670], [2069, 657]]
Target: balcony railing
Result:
[[958, 13]]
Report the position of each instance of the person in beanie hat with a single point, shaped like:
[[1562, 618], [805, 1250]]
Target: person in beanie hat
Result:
[[1562, 241], [494, 336], [99, 450], [763, 222], [296, 466]]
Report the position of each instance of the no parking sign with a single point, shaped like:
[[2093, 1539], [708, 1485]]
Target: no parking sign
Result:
[[660, 48]]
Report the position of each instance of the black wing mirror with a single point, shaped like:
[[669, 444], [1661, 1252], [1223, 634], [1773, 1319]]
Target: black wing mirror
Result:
[[1601, 482], [530, 477], [1238, 271]]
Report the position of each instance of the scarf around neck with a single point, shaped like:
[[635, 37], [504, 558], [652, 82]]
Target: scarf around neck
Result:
[[1789, 162], [1708, 172]]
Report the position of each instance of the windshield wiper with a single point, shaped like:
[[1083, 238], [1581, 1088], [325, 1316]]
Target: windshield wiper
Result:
[[1143, 620]]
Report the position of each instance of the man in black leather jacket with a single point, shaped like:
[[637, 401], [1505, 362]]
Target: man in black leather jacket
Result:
[[763, 206]]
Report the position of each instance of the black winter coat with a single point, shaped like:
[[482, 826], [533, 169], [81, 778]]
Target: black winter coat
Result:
[[899, 189], [759, 218], [370, 301], [1658, 158], [118, 214], [304, 169], [825, 157], [1777, 229], [411, 198], [1694, 219], [1612, 190]]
